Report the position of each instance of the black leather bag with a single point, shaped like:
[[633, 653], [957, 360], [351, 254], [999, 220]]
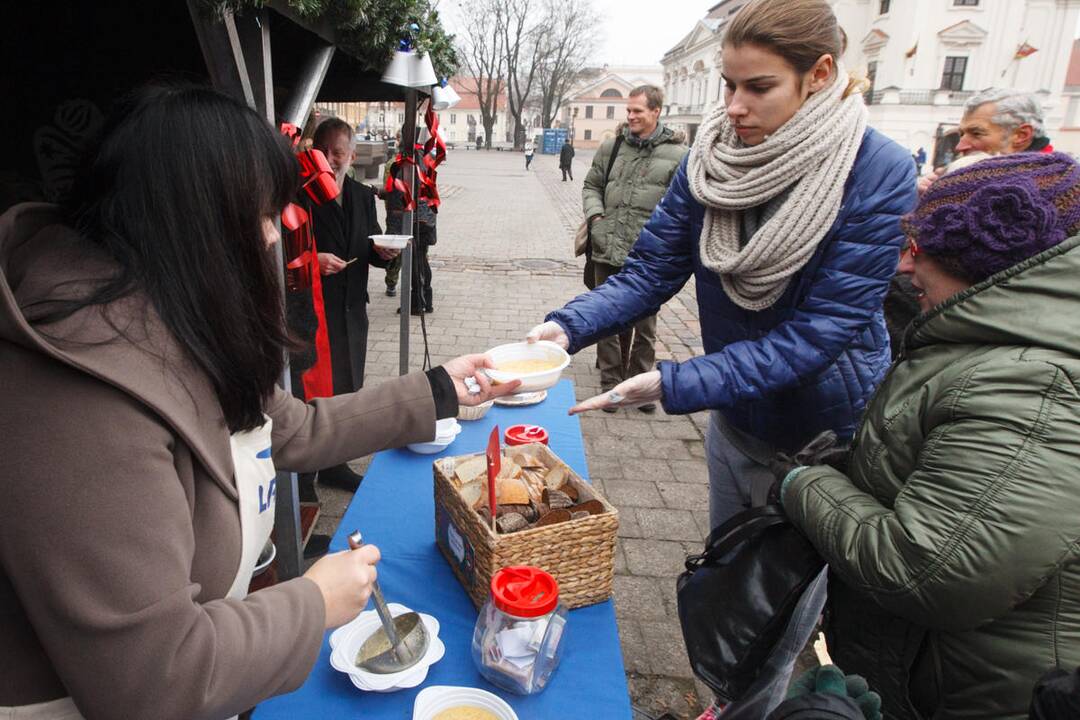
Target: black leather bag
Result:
[[736, 598]]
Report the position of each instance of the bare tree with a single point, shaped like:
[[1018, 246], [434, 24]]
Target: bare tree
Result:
[[569, 36], [483, 57], [522, 37]]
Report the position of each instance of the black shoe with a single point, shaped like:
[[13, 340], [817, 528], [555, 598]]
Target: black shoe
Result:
[[340, 476], [610, 409], [429, 309], [317, 545], [647, 408], [391, 291]]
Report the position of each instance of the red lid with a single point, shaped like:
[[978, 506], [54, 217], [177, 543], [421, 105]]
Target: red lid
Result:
[[524, 591], [525, 434]]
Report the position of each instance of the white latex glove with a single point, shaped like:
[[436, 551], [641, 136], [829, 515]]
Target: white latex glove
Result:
[[638, 390], [551, 331]]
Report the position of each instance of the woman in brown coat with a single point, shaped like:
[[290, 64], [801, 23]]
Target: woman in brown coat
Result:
[[141, 335]]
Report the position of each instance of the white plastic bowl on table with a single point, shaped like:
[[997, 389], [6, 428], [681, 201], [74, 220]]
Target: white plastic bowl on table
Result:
[[433, 700], [391, 242], [446, 431], [530, 382], [346, 641]]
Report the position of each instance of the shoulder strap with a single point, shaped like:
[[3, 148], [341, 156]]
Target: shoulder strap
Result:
[[611, 158], [739, 528]]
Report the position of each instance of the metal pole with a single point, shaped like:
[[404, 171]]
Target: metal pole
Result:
[[408, 145], [303, 96]]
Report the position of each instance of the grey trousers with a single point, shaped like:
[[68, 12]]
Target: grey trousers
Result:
[[621, 357], [732, 467]]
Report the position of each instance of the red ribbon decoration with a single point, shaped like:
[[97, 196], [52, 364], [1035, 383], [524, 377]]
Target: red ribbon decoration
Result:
[[317, 176], [292, 132], [394, 182]]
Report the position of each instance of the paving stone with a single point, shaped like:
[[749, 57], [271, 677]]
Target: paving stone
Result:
[[684, 496], [654, 558], [625, 428], [637, 598], [635, 652], [668, 524], [689, 471], [657, 695], [667, 651], [680, 429], [635, 469], [633, 493], [629, 526]]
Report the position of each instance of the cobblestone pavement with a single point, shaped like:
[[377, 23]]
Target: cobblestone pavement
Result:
[[504, 258]]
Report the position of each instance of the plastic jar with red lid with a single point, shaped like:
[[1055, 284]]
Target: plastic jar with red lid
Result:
[[525, 434], [517, 642]]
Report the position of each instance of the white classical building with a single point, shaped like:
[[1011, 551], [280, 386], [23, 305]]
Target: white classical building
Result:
[[925, 58]]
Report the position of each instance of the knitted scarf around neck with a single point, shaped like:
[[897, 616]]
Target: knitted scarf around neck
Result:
[[812, 153]]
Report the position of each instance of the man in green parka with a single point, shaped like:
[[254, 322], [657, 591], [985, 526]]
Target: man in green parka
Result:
[[617, 204], [953, 539]]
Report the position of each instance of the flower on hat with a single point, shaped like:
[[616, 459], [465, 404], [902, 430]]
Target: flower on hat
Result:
[[1014, 218]]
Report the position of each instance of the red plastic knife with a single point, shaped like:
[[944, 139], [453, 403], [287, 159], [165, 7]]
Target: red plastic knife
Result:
[[494, 464]]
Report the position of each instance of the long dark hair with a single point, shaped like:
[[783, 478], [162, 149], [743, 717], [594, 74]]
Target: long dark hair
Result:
[[176, 193]]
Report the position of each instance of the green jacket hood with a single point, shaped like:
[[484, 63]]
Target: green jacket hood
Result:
[[1034, 304]]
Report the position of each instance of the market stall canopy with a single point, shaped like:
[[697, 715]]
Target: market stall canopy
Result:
[[66, 64]]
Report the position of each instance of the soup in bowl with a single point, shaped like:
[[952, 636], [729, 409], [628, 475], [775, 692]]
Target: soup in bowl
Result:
[[538, 365]]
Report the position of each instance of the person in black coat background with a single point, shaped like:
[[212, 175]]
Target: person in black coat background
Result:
[[342, 237], [566, 160]]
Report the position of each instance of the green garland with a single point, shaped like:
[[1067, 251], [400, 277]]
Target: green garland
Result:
[[369, 30]]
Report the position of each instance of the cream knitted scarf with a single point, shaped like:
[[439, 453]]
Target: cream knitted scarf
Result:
[[812, 153]]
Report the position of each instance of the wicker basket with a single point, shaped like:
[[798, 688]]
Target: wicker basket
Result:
[[474, 412], [579, 553]]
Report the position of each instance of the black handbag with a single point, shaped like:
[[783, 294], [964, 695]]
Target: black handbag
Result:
[[736, 598]]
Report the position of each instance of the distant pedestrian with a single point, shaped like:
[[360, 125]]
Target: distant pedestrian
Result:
[[566, 160], [920, 160], [479, 142], [530, 148]]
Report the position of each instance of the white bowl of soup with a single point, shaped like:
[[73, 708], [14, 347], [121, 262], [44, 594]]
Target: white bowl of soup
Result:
[[446, 702], [538, 365]]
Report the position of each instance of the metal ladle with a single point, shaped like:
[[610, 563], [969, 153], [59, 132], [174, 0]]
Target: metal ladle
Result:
[[401, 641]]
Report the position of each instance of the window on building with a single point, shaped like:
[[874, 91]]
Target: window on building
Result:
[[952, 77], [965, 3], [471, 121], [883, 6], [401, 117], [453, 119], [588, 112], [588, 134], [611, 92], [610, 112]]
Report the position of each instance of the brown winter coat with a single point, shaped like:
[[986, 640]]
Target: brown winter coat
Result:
[[119, 528]]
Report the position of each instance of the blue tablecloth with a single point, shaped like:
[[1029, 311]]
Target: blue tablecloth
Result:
[[394, 509]]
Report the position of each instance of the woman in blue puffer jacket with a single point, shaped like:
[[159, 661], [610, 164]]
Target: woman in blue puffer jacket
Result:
[[787, 214]]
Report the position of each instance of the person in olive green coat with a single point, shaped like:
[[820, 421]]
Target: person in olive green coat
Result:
[[953, 539], [617, 207]]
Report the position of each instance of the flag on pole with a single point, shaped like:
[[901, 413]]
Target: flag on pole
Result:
[[1024, 50]]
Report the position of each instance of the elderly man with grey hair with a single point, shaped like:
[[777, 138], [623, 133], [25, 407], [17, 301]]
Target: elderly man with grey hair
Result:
[[999, 121]]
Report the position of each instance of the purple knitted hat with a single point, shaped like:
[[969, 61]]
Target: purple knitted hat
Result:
[[989, 216]]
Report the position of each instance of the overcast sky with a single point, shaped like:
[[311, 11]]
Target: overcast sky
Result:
[[633, 32]]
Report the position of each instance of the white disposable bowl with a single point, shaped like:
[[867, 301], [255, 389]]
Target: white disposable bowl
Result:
[[433, 447], [433, 700], [447, 427], [530, 382], [391, 242]]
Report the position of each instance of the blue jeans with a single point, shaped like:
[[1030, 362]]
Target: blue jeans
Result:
[[732, 467]]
